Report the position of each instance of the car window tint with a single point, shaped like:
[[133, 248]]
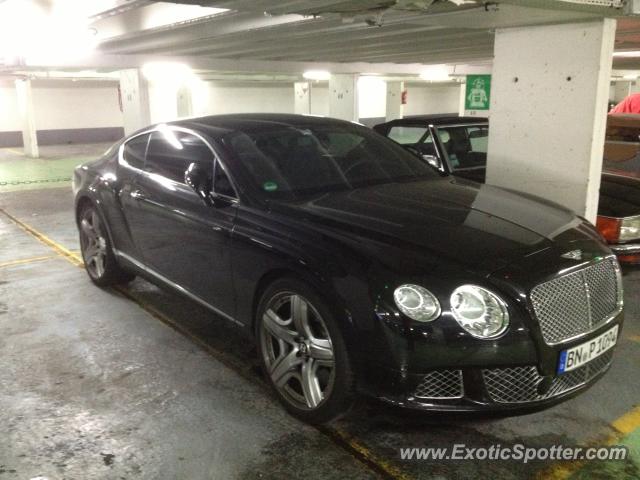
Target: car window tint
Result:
[[134, 151], [406, 135], [221, 183], [465, 146], [171, 152]]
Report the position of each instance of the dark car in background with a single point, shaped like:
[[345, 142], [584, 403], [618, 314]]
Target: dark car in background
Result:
[[458, 146], [355, 265]]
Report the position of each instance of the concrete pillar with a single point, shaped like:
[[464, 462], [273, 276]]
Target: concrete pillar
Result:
[[343, 97], [549, 111], [395, 108], [622, 89], [134, 93], [27, 118], [463, 99], [184, 102], [302, 98]]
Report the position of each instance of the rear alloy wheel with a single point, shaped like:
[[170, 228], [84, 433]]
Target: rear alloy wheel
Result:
[[99, 260], [303, 353]]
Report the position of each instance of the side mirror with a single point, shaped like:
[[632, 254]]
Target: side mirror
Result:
[[432, 160], [200, 180]]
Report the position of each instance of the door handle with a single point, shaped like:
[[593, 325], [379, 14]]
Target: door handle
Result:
[[137, 195]]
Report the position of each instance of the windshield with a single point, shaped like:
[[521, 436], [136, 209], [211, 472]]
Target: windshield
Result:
[[465, 146], [289, 162]]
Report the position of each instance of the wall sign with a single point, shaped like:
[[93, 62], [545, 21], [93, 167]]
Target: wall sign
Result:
[[478, 94]]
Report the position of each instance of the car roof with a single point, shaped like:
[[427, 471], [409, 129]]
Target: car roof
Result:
[[251, 121], [436, 119]]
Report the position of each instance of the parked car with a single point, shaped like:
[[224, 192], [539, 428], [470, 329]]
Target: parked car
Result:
[[356, 266], [458, 146]]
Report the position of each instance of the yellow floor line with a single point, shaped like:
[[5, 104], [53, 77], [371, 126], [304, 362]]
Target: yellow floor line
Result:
[[15, 152], [623, 426], [24, 261], [384, 467], [59, 249], [634, 338]]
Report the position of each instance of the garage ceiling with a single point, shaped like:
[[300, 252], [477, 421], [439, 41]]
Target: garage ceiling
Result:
[[261, 32], [398, 31]]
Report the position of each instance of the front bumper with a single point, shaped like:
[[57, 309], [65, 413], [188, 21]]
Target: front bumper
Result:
[[492, 385], [627, 253], [499, 389]]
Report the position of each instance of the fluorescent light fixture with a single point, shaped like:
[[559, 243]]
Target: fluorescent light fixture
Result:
[[44, 37], [629, 53], [316, 75], [436, 73], [631, 76], [171, 73]]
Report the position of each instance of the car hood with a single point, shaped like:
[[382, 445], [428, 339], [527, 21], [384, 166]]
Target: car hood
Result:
[[476, 225]]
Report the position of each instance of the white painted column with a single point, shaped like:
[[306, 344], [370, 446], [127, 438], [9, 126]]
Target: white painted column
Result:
[[27, 117], [343, 97], [184, 102], [463, 99], [134, 92], [302, 98], [622, 89], [395, 108], [549, 111]]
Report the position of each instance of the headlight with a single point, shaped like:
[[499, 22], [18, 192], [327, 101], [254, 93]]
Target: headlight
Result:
[[417, 303], [479, 312], [629, 229]]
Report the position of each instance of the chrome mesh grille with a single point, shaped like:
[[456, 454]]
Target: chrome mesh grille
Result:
[[522, 384], [441, 384], [578, 302]]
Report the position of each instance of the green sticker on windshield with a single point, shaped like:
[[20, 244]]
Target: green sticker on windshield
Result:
[[270, 186]]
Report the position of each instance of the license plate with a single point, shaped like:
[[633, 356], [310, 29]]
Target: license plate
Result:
[[575, 357]]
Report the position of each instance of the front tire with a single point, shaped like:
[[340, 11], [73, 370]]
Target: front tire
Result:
[[97, 253], [303, 353]]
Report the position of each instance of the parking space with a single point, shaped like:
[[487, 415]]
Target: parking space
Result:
[[140, 383]]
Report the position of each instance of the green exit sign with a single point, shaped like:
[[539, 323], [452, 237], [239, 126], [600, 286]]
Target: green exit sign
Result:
[[478, 93]]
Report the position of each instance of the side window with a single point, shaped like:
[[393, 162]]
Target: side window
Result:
[[221, 183], [171, 152], [134, 151], [427, 147], [406, 135]]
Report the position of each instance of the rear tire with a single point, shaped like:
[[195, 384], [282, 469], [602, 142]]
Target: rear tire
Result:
[[99, 260], [303, 353]]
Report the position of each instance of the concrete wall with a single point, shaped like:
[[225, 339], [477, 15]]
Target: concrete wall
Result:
[[65, 112], [426, 99], [225, 97]]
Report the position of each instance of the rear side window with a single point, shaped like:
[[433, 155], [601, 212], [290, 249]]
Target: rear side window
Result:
[[171, 152], [134, 151]]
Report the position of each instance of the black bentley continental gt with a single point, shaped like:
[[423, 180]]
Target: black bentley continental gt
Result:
[[356, 265]]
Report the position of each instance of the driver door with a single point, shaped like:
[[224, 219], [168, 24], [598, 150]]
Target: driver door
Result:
[[181, 238]]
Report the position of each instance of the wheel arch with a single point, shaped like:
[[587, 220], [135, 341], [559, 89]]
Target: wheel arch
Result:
[[323, 287], [83, 199]]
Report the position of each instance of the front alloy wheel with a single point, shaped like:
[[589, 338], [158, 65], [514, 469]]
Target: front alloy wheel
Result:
[[303, 354]]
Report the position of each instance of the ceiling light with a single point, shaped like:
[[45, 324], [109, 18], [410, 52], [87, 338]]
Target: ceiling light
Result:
[[316, 75], [436, 73]]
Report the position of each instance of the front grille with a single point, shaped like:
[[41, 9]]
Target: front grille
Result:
[[578, 302], [441, 384], [525, 384]]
